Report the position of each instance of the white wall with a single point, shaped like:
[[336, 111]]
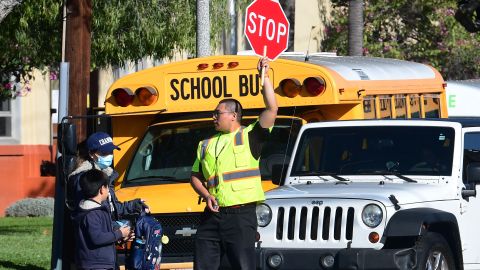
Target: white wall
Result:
[[310, 16], [35, 112]]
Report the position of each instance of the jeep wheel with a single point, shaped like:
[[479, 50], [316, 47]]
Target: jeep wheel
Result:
[[434, 253]]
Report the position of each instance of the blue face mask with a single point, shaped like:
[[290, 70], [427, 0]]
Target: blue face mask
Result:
[[104, 161]]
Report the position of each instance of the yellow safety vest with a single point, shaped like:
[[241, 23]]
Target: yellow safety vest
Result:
[[232, 173]]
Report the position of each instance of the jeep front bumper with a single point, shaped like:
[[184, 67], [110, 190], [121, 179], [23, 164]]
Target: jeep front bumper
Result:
[[351, 259]]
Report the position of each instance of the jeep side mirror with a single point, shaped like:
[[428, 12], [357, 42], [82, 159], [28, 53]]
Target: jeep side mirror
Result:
[[473, 173], [279, 172], [473, 178]]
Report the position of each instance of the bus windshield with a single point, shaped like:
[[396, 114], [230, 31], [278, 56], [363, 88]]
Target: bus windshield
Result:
[[167, 152], [373, 150]]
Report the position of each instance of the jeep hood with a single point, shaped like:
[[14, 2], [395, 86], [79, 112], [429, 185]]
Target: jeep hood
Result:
[[405, 193]]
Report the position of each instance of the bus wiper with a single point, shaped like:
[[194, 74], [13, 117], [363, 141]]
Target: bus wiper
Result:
[[408, 179], [159, 177], [321, 173]]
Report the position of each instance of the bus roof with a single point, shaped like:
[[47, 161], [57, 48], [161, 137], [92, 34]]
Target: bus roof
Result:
[[354, 68]]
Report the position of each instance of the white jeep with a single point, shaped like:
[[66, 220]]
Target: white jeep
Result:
[[381, 194]]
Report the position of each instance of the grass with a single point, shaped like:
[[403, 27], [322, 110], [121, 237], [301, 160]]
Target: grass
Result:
[[25, 243]]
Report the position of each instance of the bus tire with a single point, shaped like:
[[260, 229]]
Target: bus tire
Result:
[[434, 253]]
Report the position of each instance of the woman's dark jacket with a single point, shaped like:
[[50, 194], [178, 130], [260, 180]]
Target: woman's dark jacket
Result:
[[119, 210]]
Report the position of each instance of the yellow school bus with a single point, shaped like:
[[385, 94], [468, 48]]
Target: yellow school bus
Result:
[[159, 115]]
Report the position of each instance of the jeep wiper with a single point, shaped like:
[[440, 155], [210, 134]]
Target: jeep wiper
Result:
[[323, 173], [408, 179], [159, 177]]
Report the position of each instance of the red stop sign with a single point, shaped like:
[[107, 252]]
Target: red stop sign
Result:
[[266, 28]]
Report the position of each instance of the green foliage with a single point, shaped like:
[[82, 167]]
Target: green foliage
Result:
[[26, 243], [31, 207], [122, 30], [29, 39], [421, 31]]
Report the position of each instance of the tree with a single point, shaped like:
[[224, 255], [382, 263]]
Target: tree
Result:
[[6, 6], [422, 31], [121, 31], [468, 14]]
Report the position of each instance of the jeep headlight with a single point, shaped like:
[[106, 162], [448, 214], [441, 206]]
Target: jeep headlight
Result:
[[372, 215], [264, 215]]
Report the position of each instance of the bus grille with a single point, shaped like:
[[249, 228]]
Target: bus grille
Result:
[[315, 223], [180, 244]]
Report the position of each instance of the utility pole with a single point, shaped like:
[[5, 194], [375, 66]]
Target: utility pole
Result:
[[203, 28], [77, 53]]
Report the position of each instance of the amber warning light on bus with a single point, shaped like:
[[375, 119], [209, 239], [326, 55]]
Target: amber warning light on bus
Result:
[[218, 65], [145, 95], [292, 87]]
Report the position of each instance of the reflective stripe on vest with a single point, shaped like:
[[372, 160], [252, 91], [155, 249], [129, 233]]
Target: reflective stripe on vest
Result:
[[232, 176], [212, 181], [237, 175]]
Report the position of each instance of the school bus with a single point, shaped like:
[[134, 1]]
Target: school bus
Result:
[[159, 115]]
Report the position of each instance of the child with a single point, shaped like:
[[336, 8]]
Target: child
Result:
[[95, 238]]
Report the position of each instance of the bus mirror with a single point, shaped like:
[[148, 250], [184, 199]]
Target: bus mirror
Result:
[[279, 172], [67, 139]]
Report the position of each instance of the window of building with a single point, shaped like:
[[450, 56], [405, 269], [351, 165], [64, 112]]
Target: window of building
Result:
[[9, 121]]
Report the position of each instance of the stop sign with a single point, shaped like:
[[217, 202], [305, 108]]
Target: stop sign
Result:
[[266, 28]]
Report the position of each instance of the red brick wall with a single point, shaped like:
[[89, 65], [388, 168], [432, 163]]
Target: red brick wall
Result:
[[20, 173]]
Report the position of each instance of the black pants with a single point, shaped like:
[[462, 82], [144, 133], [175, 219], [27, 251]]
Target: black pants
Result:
[[230, 232]]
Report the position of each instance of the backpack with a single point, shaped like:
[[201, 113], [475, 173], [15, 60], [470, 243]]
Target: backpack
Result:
[[146, 249]]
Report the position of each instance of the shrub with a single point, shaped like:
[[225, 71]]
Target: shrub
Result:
[[31, 207]]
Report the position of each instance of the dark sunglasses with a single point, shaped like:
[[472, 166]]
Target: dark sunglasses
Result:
[[217, 113]]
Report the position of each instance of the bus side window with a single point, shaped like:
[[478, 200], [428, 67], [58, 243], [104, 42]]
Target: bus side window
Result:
[[471, 151]]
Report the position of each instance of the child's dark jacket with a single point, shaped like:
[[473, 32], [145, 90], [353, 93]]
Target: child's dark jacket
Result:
[[94, 236]]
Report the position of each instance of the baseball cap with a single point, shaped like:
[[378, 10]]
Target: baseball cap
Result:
[[102, 142]]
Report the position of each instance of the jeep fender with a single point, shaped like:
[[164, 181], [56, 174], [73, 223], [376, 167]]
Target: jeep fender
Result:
[[416, 221]]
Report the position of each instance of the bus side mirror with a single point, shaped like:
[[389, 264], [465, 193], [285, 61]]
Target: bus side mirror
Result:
[[279, 173], [67, 139]]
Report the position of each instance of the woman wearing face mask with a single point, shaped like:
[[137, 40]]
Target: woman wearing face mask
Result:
[[97, 152], [100, 156]]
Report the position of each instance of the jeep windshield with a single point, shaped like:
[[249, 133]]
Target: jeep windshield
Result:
[[167, 151], [375, 150]]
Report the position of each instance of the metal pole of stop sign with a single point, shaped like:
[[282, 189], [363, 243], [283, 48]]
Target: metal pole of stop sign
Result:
[[263, 69]]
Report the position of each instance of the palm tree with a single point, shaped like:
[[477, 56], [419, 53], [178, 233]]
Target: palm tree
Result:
[[355, 27]]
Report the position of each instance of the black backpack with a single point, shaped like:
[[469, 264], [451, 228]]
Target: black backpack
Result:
[[146, 250]]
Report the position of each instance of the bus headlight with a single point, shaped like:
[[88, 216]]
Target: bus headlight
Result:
[[264, 215], [372, 215]]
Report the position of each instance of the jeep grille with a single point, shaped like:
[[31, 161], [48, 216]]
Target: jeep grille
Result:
[[315, 223]]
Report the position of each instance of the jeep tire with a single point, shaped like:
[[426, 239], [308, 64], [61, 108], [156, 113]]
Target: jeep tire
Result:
[[434, 253]]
